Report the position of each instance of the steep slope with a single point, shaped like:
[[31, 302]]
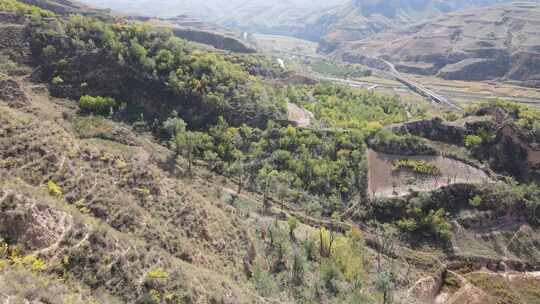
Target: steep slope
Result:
[[480, 44], [98, 208]]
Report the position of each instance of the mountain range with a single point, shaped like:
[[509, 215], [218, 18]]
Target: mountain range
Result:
[[499, 41], [464, 39]]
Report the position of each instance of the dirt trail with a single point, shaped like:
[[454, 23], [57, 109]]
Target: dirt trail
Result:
[[300, 116]]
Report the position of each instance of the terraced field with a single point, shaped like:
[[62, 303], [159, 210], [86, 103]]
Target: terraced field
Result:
[[386, 182]]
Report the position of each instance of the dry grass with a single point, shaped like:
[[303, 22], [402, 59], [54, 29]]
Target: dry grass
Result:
[[178, 225]]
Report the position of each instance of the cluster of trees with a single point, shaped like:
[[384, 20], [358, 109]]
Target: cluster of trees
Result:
[[524, 118], [224, 113], [345, 107], [97, 104], [426, 217], [279, 161], [343, 70], [101, 59], [324, 267], [24, 9], [389, 142]]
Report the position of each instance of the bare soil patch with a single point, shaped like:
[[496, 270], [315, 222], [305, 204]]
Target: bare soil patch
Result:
[[386, 182]]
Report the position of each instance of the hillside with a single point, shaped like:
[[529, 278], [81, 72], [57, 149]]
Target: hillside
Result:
[[140, 168], [359, 19], [489, 43]]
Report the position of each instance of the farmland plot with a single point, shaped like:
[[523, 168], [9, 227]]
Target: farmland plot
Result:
[[385, 180]]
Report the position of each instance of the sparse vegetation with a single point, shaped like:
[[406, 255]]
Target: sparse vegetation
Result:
[[270, 212], [417, 166]]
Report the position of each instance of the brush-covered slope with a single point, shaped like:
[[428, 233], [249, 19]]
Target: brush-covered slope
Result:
[[123, 185]]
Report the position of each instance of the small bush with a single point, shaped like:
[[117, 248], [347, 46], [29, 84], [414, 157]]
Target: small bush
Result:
[[330, 276], [93, 126], [476, 201], [97, 105], [407, 225], [57, 80], [263, 281], [473, 141], [158, 273], [54, 189]]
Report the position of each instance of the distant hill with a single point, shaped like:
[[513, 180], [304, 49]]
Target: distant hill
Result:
[[358, 19], [286, 17], [476, 44]]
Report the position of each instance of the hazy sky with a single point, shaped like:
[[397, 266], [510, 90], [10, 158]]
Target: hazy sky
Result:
[[208, 8]]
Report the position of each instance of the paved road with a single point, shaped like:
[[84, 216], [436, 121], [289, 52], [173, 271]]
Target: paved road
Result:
[[418, 88]]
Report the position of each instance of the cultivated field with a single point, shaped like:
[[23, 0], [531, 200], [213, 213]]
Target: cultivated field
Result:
[[386, 182]]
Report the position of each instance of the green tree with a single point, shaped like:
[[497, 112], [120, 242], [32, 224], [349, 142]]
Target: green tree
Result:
[[187, 144], [97, 104], [298, 269], [268, 175], [473, 141], [293, 224], [439, 225], [239, 170]]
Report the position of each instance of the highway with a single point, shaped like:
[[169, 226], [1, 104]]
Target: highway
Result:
[[419, 89]]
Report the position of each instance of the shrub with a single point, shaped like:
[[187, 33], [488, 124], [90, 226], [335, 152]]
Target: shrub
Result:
[[57, 80], [407, 225], [330, 276], [263, 281], [348, 255], [31, 261], [298, 269], [439, 224], [417, 166], [49, 51], [293, 223], [93, 126], [158, 273], [98, 105], [476, 201], [473, 141], [54, 189]]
